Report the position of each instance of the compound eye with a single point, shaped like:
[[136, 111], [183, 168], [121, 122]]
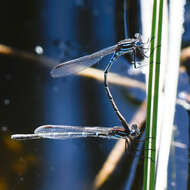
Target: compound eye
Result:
[[135, 130], [138, 36]]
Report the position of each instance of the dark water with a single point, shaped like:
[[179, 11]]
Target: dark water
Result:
[[29, 97]]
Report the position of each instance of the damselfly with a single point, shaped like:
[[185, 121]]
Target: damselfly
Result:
[[65, 132], [76, 65], [127, 46]]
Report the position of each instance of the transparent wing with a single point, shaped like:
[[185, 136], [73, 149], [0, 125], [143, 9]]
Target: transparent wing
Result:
[[65, 128], [65, 132], [77, 65]]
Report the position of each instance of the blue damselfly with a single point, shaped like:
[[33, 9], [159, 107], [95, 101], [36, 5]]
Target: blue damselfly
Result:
[[126, 46]]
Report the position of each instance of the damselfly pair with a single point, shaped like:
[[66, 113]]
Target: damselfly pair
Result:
[[127, 46]]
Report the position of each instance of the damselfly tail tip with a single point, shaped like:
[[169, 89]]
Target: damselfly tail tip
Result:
[[24, 136], [16, 137]]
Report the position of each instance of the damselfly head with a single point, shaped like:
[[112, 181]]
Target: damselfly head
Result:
[[142, 47], [134, 130]]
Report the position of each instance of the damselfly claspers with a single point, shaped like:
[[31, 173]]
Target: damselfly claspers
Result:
[[65, 132], [127, 46]]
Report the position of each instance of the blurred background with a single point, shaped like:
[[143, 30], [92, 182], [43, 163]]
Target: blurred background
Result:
[[29, 97]]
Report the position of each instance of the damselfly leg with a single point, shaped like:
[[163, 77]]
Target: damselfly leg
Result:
[[137, 147]]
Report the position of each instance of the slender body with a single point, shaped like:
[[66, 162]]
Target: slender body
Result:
[[65, 132]]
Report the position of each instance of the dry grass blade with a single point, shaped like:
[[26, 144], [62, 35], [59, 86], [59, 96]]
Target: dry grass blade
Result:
[[13, 52], [185, 54], [117, 151], [113, 78]]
